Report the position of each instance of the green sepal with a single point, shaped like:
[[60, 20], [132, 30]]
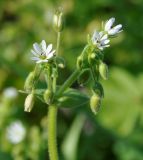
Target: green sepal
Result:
[[98, 89]]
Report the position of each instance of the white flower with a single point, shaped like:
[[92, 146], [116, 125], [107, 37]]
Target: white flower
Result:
[[100, 40], [16, 132], [10, 93], [110, 29], [42, 53]]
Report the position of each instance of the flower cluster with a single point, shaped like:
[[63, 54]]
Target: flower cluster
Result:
[[101, 39], [92, 60]]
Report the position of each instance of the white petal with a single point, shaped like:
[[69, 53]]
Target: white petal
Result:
[[109, 24], [43, 43], [51, 54], [45, 60], [49, 48], [104, 37], [33, 52], [37, 48], [115, 30], [101, 34], [101, 48], [35, 58], [95, 35], [118, 27], [41, 61], [106, 41]]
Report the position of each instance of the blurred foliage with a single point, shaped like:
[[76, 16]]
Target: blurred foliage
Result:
[[116, 132]]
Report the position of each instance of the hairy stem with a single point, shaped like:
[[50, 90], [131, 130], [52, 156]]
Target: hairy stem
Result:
[[58, 42], [52, 132]]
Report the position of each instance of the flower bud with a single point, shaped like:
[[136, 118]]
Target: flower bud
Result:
[[61, 65], [29, 102], [91, 58], [58, 21], [103, 70], [95, 103], [29, 82], [60, 62], [47, 96]]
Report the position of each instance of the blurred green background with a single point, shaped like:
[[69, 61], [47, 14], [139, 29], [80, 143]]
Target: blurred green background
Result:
[[117, 131]]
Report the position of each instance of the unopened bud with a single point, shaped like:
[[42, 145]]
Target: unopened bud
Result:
[[60, 62], [29, 82], [95, 103], [91, 58], [29, 102], [103, 70], [60, 65], [47, 96], [58, 21]]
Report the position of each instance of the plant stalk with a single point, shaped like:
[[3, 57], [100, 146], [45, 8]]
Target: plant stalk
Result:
[[58, 43], [52, 132]]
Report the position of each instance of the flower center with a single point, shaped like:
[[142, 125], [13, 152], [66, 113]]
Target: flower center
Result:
[[43, 55]]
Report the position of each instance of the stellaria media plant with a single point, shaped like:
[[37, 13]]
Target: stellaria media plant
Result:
[[48, 63]]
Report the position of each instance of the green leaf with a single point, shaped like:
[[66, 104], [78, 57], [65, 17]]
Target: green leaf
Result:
[[70, 143], [84, 76], [73, 98]]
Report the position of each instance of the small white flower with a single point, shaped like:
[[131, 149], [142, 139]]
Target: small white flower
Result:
[[10, 93], [16, 132], [42, 53], [110, 29], [100, 40]]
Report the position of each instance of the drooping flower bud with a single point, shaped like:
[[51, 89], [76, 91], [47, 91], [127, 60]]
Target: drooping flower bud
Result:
[[47, 96], [95, 103], [103, 70], [29, 102], [29, 82], [58, 21]]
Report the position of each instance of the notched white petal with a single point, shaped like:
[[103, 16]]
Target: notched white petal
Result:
[[49, 48], [37, 48], [109, 23], [35, 58], [51, 54], [118, 27], [34, 53], [43, 43]]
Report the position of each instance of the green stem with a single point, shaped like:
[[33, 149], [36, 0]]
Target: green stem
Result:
[[52, 132], [68, 82], [58, 42]]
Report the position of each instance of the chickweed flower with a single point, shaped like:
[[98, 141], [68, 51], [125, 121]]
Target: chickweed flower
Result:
[[41, 52], [100, 40], [110, 29], [16, 132]]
